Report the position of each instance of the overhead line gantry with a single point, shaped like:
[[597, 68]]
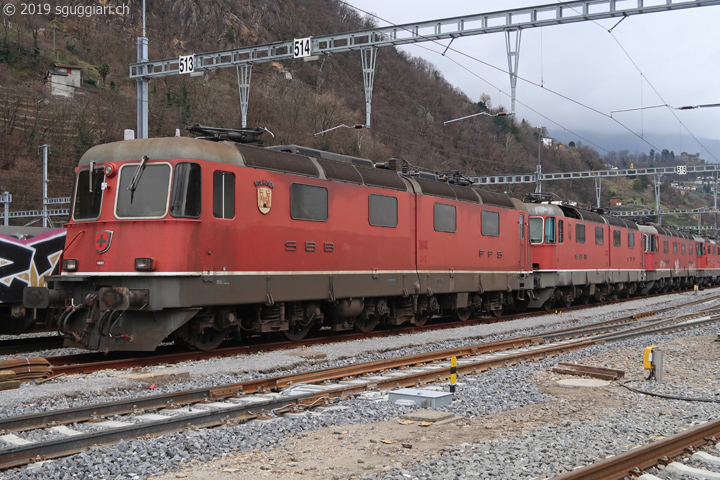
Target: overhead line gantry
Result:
[[512, 22]]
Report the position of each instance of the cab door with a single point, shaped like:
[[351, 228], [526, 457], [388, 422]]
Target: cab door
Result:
[[649, 249]]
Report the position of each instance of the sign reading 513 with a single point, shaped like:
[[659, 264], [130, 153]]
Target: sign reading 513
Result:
[[186, 64], [301, 47]]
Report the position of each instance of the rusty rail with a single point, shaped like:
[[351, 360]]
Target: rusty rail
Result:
[[628, 463]]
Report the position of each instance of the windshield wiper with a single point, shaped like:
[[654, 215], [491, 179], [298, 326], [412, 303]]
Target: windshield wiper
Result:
[[138, 173]]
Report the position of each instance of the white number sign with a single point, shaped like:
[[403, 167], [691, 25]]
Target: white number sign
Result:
[[681, 170], [186, 64], [301, 47]]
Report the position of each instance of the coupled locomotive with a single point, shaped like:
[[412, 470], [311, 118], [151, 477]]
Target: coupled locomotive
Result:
[[194, 240]]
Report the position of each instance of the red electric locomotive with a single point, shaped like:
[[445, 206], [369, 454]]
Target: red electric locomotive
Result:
[[583, 255], [194, 240]]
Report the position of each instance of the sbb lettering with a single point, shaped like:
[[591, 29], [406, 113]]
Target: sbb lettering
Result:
[[310, 247]]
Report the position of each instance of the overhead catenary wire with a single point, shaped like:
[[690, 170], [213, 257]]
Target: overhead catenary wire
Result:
[[500, 69], [644, 77]]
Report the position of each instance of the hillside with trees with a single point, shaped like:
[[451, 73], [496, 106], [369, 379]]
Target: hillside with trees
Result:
[[293, 99]]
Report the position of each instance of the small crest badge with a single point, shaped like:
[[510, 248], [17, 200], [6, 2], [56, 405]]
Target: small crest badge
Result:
[[264, 195], [103, 238]]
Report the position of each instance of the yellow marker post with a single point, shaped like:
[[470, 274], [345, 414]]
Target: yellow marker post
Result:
[[453, 373]]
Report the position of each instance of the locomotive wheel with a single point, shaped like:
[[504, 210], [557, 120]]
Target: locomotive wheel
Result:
[[208, 339], [421, 319], [298, 331], [497, 313], [366, 325], [463, 314]]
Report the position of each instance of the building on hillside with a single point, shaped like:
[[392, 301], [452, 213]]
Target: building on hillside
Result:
[[615, 201], [64, 80], [689, 157]]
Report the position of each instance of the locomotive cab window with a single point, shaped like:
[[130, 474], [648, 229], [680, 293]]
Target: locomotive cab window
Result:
[[490, 225], [444, 218], [599, 236], [143, 190], [382, 210], [536, 229], [88, 195], [616, 238], [579, 233], [550, 230], [308, 202], [223, 194], [185, 196]]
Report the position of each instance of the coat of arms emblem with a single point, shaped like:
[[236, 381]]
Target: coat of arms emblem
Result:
[[264, 195]]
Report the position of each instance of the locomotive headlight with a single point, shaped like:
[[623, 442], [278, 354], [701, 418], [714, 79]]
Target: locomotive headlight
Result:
[[145, 264], [109, 170], [69, 265]]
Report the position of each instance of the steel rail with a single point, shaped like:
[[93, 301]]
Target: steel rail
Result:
[[52, 449], [625, 464], [24, 454]]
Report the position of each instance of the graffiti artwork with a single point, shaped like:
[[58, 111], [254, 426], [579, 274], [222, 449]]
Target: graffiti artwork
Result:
[[27, 255]]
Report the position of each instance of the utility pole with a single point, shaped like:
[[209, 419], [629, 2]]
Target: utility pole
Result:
[[45, 148], [142, 82], [538, 171]]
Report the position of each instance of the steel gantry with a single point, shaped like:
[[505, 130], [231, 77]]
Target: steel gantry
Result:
[[368, 41], [598, 175]]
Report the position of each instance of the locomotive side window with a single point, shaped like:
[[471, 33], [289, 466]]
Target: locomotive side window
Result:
[[382, 210], [223, 194], [666, 246], [308, 202], [490, 225], [148, 197], [616, 238], [444, 218], [631, 240], [580, 233], [599, 236], [88, 195], [674, 248], [682, 246], [185, 196], [522, 226], [560, 231], [536, 229], [690, 249], [550, 230]]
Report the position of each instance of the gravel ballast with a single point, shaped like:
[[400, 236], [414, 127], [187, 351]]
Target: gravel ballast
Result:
[[573, 434]]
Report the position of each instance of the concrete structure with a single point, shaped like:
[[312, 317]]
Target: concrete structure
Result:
[[64, 79]]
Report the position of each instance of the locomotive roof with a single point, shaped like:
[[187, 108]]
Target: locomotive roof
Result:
[[574, 212]]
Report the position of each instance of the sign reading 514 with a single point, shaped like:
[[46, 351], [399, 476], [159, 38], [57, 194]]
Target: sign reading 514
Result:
[[186, 64], [301, 47]]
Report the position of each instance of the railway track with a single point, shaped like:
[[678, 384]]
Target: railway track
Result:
[[93, 362], [264, 398], [662, 454]]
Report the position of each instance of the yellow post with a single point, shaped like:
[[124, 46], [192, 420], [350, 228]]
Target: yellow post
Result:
[[453, 373]]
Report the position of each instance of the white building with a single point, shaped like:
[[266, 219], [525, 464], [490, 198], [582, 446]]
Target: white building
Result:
[[64, 79]]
